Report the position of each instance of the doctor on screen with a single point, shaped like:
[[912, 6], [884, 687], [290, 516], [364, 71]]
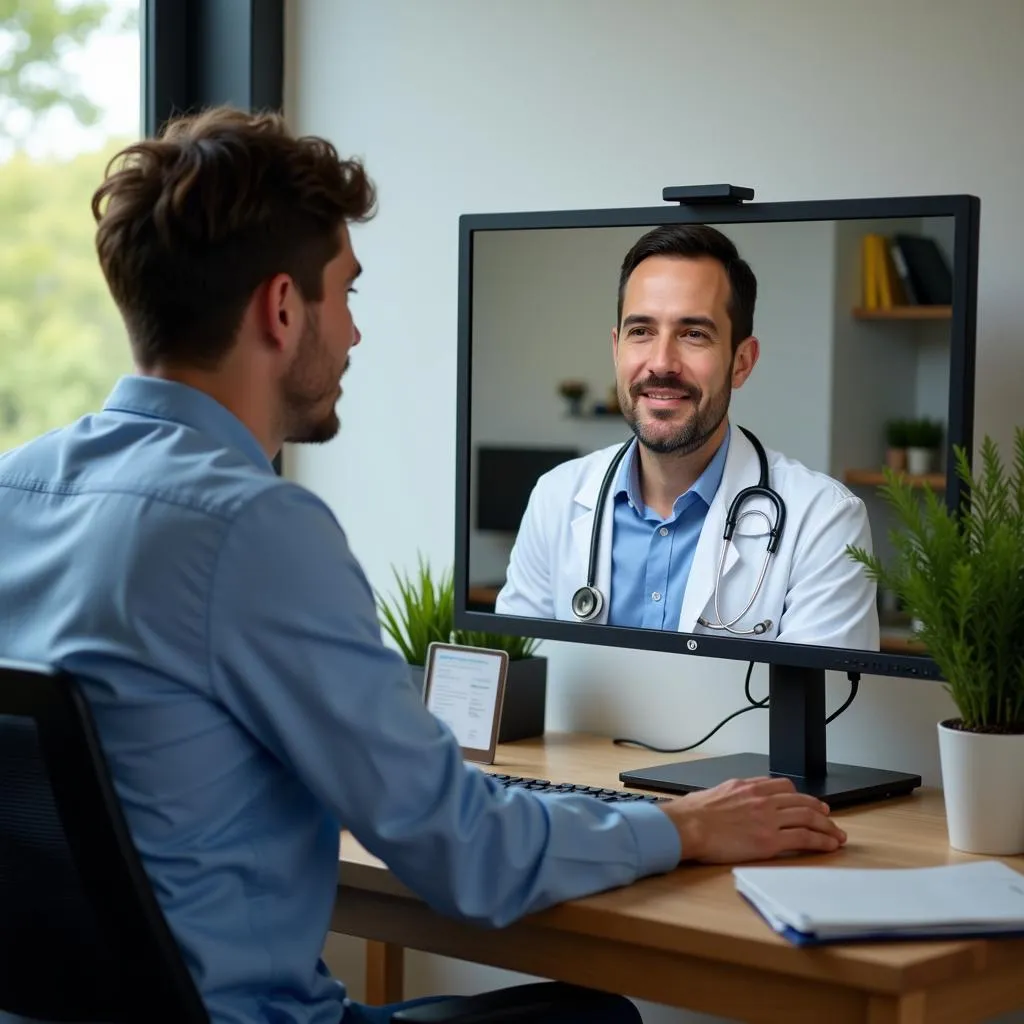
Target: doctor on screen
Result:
[[634, 534]]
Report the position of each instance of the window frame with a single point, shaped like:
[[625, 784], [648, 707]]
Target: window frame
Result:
[[199, 53]]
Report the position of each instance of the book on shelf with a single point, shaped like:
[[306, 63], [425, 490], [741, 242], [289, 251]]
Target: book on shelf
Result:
[[905, 270]]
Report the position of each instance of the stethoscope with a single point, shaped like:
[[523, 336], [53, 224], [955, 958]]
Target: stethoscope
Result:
[[588, 601]]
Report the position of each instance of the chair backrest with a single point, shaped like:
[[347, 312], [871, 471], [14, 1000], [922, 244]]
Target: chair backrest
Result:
[[82, 937]]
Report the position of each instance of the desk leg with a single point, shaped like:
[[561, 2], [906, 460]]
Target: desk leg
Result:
[[908, 1009], [385, 969]]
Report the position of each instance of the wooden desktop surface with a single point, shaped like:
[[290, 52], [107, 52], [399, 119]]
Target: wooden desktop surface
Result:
[[687, 938]]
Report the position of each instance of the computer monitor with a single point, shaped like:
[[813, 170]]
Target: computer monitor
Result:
[[864, 317]]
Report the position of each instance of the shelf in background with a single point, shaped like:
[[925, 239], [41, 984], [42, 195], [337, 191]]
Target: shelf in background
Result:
[[483, 593], [904, 313], [875, 478], [901, 643]]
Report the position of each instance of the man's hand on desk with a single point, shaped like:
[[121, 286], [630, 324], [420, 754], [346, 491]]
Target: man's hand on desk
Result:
[[751, 819]]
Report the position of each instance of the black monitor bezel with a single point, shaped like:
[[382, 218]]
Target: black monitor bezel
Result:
[[965, 211]]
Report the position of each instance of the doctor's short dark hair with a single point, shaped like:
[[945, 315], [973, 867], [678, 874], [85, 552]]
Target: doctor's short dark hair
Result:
[[691, 241], [190, 224]]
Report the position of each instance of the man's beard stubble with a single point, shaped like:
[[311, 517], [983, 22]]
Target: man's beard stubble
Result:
[[691, 435], [306, 387]]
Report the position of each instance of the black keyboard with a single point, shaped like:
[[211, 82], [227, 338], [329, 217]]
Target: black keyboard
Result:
[[611, 796]]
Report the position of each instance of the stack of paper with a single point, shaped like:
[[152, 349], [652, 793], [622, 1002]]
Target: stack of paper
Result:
[[818, 905]]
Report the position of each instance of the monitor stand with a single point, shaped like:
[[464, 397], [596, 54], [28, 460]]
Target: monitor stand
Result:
[[796, 741]]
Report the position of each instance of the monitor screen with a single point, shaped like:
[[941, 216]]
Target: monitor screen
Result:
[[856, 353], [505, 478]]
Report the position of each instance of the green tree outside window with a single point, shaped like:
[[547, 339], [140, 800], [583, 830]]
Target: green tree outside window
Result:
[[62, 343]]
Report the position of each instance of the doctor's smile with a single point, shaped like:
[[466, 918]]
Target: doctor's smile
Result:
[[659, 396]]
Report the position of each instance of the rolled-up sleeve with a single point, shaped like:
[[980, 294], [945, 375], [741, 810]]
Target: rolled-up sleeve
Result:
[[295, 653]]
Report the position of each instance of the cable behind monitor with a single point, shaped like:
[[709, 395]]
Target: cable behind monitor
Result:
[[752, 705]]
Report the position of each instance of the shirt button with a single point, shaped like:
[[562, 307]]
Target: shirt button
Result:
[[664, 531], [656, 596]]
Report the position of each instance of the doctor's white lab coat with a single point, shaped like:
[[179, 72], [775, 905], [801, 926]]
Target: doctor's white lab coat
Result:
[[813, 593]]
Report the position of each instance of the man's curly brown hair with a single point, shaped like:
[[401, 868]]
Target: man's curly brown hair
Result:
[[190, 224]]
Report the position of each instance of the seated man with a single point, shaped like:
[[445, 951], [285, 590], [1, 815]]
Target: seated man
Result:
[[222, 630], [683, 342]]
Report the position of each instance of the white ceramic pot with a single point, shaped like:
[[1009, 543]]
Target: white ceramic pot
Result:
[[983, 786], [919, 461]]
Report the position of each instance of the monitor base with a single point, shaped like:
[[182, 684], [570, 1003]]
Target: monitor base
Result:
[[842, 785]]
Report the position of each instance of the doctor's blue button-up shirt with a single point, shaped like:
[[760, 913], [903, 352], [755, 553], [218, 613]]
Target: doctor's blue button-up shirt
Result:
[[228, 644], [651, 556]]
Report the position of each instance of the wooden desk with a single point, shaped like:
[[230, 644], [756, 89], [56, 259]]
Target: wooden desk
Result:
[[687, 939]]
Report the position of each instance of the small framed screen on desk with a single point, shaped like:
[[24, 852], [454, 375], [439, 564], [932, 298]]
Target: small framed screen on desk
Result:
[[465, 688]]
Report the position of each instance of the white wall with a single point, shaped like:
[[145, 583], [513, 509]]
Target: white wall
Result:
[[460, 106]]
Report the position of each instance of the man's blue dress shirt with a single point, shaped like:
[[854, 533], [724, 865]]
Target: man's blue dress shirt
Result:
[[228, 644], [651, 556]]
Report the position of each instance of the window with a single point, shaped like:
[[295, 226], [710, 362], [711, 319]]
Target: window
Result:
[[74, 89], [70, 96]]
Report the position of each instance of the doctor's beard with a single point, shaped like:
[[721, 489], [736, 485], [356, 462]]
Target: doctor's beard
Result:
[[688, 436]]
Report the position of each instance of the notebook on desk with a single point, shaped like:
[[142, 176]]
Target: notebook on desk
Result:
[[814, 906]]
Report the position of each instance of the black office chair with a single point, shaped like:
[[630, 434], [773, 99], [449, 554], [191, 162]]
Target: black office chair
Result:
[[82, 937], [520, 1004]]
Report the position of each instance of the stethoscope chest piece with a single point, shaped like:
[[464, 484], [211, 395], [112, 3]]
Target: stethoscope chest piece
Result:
[[587, 603]]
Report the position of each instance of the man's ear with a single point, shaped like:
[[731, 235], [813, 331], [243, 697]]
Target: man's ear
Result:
[[615, 344], [745, 359], [283, 313]]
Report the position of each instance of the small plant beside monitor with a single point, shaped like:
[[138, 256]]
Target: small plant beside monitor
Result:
[[960, 574], [423, 612]]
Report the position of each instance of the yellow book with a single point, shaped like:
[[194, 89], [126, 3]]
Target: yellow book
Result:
[[869, 282]]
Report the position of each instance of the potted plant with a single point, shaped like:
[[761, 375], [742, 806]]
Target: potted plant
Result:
[[573, 391], [896, 444], [924, 438], [424, 612], [960, 573]]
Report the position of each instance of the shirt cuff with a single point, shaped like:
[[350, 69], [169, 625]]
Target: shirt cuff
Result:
[[659, 848]]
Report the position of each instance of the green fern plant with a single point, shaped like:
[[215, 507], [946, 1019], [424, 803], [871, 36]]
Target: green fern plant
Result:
[[424, 613], [960, 573]]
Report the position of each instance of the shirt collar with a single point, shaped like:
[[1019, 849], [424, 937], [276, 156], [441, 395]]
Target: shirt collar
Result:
[[707, 484], [627, 482], [180, 403]]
